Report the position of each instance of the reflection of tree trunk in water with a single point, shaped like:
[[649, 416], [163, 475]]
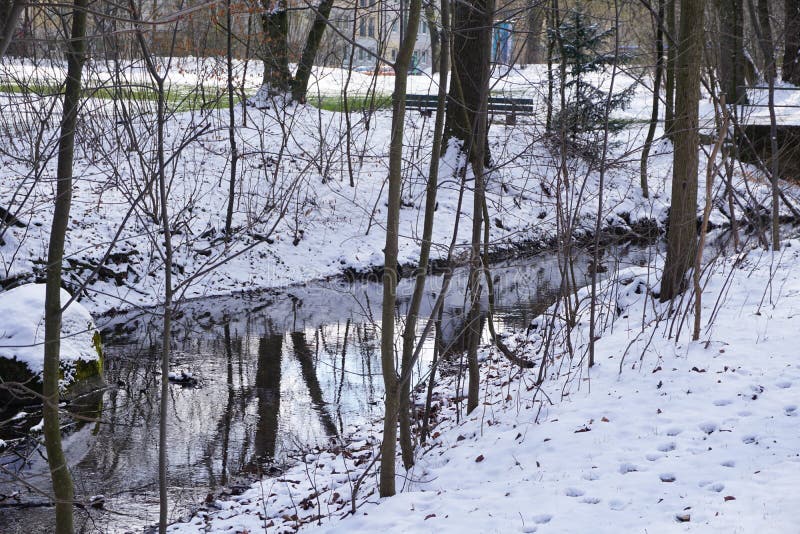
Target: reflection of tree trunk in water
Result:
[[366, 359], [341, 378], [226, 433], [344, 356], [268, 388], [303, 354], [244, 353]]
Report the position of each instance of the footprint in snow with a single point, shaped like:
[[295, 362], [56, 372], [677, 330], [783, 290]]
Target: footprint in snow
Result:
[[652, 457], [784, 384], [790, 410], [708, 427], [616, 504], [716, 486], [542, 519], [626, 468], [747, 440], [666, 447], [722, 402], [590, 500], [529, 530], [574, 492], [666, 477], [728, 463], [674, 431]]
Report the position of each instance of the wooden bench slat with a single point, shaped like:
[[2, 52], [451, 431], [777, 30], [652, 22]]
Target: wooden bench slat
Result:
[[496, 104]]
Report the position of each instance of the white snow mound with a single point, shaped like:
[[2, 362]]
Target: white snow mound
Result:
[[22, 328]]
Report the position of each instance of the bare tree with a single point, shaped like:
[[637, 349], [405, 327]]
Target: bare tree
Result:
[[471, 49], [682, 231], [275, 22], [231, 121], [63, 490], [390, 378], [313, 40], [731, 50], [659, 69], [10, 11], [535, 47], [791, 48], [669, 75], [433, 30], [760, 17]]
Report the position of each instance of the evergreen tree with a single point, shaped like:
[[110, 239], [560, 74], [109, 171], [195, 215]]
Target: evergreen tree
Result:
[[584, 53]]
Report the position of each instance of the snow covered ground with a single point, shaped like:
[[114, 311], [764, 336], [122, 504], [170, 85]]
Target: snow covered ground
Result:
[[660, 436], [689, 436], [296, 218]]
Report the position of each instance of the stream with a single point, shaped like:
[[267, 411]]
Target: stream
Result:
[[277, 371]]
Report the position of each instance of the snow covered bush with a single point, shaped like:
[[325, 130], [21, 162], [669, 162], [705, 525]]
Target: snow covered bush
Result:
[[22, 342]]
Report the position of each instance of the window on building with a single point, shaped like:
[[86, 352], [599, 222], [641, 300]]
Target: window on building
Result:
[[423, 28], [371, 32], [394, 54], [362, 28]]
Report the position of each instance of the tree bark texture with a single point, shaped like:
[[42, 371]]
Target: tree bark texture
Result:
[[535, 46], [669, 82], [682, 229], [275, 23], [63, 490], [731, 50], [791, 50], [300, 82], [10, 11], [471, 52]]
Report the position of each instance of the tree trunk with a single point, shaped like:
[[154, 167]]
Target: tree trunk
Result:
[[275, 22], [300, 82], [791, 51], [471, 49], [231, 124], [433, 32], [731, 50], [535, 49], [10, 11], [552, 26], [167, 324], [409, 333], [390, 378], [669, 84], [765, 40], [480, 127], [63, 490], [774, 167], [682, 230], [659, 68]]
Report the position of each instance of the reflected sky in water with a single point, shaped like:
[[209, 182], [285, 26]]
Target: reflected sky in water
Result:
[[277, 371]]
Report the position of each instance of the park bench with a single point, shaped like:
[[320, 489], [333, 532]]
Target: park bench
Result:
[[498, 105]]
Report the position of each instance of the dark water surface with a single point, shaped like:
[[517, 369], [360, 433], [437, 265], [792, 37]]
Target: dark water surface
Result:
[[277, 371]]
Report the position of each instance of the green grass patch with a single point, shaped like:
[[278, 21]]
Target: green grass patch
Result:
[[177, 98], [354, 103]]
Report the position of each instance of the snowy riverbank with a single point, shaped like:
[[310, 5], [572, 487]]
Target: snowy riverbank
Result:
[[296, 216], [689, 436]]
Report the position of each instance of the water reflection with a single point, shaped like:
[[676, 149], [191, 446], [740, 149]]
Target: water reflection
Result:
[[277, 371]]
